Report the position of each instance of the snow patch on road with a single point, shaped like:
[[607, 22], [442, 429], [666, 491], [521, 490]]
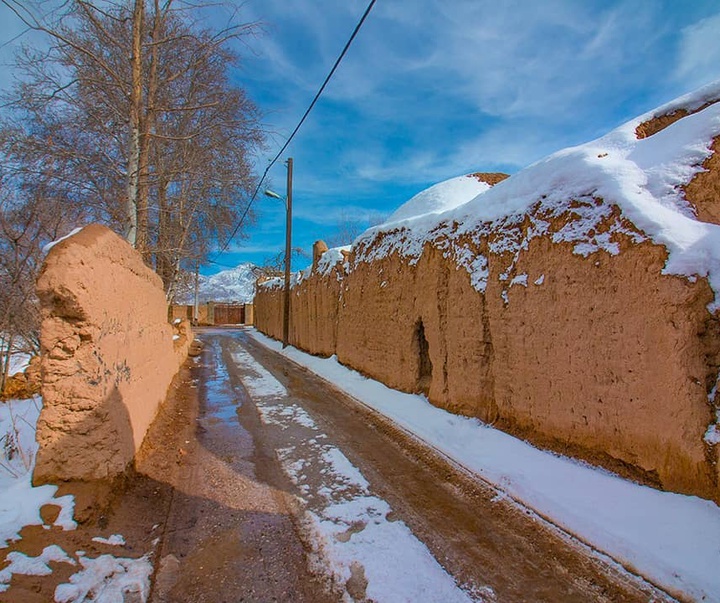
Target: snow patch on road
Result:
[[261, 383], [114, 540], [107, 579], [20, 502], [354, 541], [366, 555], [344, 471], [277, 414], [19, 563], [364, 549], [669, 538]]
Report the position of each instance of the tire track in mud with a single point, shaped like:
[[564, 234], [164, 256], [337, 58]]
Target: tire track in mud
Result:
[[354, 536], [229, 532], [477, 534]]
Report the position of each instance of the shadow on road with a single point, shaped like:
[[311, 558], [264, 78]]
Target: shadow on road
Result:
[[206, 505]]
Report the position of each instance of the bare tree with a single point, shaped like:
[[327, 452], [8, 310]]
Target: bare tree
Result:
[[349, 227], [274, 265], [25, 225], [135, 214], [131, 115]]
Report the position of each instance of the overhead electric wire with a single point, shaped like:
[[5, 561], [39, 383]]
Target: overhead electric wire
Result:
[[14, 38], [300, 123]]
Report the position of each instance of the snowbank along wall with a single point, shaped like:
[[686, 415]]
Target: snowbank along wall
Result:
[[590, 351], [108, 355]]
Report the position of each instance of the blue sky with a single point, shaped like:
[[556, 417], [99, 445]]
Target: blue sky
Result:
[[433, 89]]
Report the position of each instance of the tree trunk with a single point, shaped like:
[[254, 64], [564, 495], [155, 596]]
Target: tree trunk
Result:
[[7, 354], [162, 261], [135, 112], [147, 133]]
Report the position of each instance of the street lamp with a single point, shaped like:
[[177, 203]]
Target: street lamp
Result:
[[274, 195], [288, 248]]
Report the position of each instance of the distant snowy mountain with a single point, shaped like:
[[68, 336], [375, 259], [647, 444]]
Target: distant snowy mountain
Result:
[[233, 285]]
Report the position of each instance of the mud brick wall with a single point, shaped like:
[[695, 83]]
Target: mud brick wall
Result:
[[602, 357], [314, 305], [108, 356], [268, 304], [607, 359]]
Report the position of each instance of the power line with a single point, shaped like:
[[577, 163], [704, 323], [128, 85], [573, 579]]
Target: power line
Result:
[[14, 38], [300, 123], [16, 7]]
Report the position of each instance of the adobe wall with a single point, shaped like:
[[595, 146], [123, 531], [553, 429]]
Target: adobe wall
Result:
[[316, 301], [185, 312], [313, 313], [269, 312], [703, 192], [205, 313], [607, 359], [108, 356], [382, 307], [602, 357]]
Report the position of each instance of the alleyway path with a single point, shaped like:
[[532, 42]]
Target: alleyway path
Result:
[[281, 466], [260, 482], [229, 533]]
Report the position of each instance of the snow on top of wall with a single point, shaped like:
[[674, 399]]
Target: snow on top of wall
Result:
[[328, 260], [275, 282], [690, 102], [331, 258], [643, 177], [46, 248], [440, 197], [278, 282]]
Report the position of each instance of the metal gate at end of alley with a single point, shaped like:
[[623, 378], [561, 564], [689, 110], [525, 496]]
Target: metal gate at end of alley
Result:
[[212, 314]]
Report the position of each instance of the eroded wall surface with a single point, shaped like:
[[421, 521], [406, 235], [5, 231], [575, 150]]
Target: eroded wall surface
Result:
[[269, 312], [313, 310], [605, 358], [108, 356], [581, 344]]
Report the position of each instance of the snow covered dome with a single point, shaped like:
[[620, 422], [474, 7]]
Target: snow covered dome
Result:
[[445, 196]]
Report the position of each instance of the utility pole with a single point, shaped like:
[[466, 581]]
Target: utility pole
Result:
[[196, 305], [288, 253]]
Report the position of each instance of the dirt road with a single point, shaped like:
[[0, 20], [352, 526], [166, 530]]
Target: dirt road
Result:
[[229, 532], [232, 528], [298, 493]]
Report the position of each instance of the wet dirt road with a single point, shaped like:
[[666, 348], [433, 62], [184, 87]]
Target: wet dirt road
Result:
[[260, 482], [229, 532], [263, 485]]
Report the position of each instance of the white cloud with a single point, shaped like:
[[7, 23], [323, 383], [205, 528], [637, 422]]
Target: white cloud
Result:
[[506, 147], [699, 57], [330, 212], [432, 90], [240, 247], [508, 59]]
